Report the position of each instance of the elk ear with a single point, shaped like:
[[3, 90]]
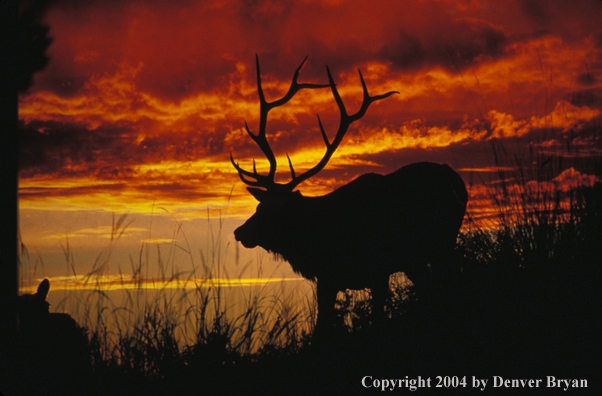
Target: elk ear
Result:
[[259, 195], [43, 289]]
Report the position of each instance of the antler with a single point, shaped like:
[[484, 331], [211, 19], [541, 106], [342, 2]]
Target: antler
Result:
[[346, 121], [267, 181]]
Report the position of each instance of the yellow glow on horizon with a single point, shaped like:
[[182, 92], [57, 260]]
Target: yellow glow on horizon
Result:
[[117, 282], [99, 232]]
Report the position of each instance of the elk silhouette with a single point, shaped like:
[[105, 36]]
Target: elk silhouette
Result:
[[361, 233]]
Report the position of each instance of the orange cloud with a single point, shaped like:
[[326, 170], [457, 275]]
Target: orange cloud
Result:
[[565, 116], [142, 103]]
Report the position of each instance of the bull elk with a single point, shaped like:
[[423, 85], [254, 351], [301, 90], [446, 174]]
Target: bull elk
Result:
[[361, 233]]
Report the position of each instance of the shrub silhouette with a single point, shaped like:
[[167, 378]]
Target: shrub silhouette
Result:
[[52, 350]]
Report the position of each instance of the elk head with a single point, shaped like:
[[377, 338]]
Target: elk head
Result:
[[277, 201]]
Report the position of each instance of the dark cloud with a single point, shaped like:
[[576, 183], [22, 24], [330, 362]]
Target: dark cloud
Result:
[[536, 11], [32, 42], [598, 39], [586, 97], [115, 172], [461, 43], [42, 192], [182, 146], [108, 152], [586, 79], [568, 19], [405, 52], [49, 147]]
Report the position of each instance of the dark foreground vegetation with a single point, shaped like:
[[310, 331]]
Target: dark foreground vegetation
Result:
[[523, 303]]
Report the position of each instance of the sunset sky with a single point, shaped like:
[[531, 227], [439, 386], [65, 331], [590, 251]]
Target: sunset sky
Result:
[[142, 103]]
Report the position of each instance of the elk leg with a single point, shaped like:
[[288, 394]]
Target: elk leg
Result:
[[326, 298], [380, 292]]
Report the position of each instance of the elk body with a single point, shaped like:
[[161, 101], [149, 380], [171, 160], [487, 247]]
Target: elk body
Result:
[[358, 235]]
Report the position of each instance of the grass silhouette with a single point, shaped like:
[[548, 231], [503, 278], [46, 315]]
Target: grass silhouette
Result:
[[523, 303]]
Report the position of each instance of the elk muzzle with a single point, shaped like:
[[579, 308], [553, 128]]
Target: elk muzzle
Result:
[[242, 235]]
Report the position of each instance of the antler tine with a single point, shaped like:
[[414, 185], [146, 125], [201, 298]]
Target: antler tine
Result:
[[260, 180], [294, 88], [267, 181], [260, 138], [368, 100], [290, 164], [345, 122]]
